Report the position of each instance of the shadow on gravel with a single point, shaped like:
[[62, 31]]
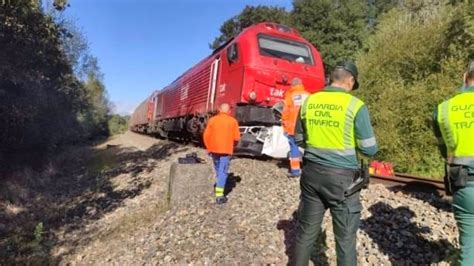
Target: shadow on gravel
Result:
[[231, 183], [289, 227], [35, 205], [283, 163], [402, 240], [429, 195]]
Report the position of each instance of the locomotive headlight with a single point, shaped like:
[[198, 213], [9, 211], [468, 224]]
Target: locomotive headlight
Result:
[[252, 95]]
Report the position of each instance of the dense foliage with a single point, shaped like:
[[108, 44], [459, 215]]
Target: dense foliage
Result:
[[414, 61], [44, 102], [249, 16], [336, 28], [118, 124]]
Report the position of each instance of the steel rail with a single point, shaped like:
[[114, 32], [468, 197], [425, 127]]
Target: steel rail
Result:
[[406, 179]]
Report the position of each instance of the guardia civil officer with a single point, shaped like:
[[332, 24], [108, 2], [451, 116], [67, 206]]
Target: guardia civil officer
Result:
[[454, 127], [331, 126]]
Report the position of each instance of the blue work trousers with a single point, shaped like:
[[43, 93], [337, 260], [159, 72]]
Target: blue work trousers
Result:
[[294, 155], [221, 165], [294, 151]]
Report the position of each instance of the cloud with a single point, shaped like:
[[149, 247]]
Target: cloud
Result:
[[123, 108]]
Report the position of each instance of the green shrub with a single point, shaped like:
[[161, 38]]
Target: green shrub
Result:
[[118, 124], [412, 63]]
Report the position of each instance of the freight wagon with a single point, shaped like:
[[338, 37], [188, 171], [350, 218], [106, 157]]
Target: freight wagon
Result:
[[251, 72]]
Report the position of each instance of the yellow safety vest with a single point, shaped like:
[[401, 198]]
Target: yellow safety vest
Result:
[[329, 122], [456, 122]]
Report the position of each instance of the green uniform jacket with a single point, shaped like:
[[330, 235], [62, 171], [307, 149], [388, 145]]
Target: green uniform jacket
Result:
[[441, 142], [364, 135]]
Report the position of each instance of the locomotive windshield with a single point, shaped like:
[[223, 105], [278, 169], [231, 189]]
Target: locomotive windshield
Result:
[[284, 49]]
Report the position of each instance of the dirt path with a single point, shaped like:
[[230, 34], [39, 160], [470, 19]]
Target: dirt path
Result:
[[106, 205], [86, 198], [146, 162], [131, 141]]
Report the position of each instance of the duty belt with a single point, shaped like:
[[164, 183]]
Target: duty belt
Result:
[[456, 177], [334, 170], [360, 177]]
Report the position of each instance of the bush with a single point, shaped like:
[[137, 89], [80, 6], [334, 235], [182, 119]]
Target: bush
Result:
[[43, 102], [412, 63], [118, 124]]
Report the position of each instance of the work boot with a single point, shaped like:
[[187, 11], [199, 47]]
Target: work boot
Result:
[[221, 200], [294, 174]]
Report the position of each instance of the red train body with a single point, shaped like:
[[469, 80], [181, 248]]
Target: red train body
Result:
[[251, 72]]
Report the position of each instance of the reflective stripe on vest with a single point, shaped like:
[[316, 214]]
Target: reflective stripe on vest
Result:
[[456, 122], [364, 143], [329, 122], [463, 160]]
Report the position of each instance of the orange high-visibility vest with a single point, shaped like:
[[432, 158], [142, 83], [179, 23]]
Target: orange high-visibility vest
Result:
[[220, 134], [294, 98]]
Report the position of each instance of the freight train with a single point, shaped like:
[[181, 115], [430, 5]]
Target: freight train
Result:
[[251, 72]]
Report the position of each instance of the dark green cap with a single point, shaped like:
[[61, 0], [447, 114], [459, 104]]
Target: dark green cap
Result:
[[351, 68]]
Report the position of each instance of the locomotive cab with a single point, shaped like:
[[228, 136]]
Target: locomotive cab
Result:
[[273, 55], [251, 72]]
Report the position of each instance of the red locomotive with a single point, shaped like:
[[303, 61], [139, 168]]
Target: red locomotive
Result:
[[251, 72]]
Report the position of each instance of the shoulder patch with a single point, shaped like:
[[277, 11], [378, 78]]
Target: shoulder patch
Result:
[[298, 99]]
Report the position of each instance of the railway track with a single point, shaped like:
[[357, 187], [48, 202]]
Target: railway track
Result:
[[412, 183], [399, 181]]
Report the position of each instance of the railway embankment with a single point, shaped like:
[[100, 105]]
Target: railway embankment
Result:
[[107, 205]]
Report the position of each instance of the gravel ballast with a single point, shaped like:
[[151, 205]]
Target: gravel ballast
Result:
[[257, 225]]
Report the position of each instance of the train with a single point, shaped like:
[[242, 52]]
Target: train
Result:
[[251, 72]]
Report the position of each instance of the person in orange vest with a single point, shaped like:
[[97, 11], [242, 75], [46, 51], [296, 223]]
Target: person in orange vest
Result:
[[220, 136], [294, 98]]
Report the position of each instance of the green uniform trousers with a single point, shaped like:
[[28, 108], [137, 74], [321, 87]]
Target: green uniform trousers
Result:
[[463, 208], [323, 187]]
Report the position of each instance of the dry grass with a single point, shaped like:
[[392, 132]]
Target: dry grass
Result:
[[29, 197], [12, 209], [101, 161], [81, 195], [127, 224]]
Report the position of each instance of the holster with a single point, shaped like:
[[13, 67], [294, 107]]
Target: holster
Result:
[[456, 177], [360, 181], [447, 184]]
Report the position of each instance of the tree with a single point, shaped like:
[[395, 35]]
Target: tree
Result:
[[43, 103], [37, 84], [412, 63], [95, 115], [118, 124], [249, 16], [336, 28], [60, 5]]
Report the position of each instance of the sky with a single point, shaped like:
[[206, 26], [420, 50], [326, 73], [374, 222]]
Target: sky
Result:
[[143, 45]]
